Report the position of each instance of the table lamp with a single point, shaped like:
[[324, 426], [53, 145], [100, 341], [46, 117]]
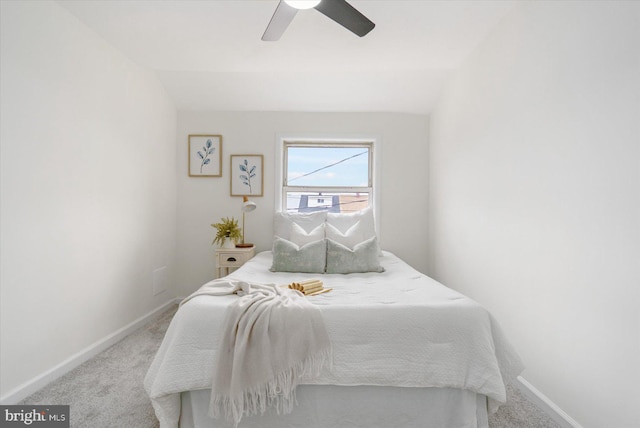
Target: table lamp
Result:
[[247, 206]]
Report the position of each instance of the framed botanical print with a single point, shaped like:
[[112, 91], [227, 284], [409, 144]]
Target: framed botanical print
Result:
[[247, 175], [205, 155]]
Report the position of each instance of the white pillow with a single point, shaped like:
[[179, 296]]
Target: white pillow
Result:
[[362, 258], [343, 222], [352, 237], [283, 222], [300, 237], [289, 257]]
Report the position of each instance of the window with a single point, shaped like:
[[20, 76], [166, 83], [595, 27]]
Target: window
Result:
[[329, 176]]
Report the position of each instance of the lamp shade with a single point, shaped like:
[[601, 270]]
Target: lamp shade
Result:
[[247, 205]]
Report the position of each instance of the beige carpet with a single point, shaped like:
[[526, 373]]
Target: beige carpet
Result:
[[107, 390]]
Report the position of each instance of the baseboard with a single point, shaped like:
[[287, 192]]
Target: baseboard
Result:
[[546, 405], [40, 381]]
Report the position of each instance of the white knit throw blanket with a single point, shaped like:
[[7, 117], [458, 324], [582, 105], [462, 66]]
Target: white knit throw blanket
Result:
[[272, 336]]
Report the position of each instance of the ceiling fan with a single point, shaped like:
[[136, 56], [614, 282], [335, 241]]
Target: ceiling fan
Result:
[[338, 10]]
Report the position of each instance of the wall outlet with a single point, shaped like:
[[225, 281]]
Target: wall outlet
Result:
[[160, 280]]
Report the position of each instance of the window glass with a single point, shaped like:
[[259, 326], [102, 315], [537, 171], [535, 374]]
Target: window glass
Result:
[[327, 177], [328, 166], [326, 201]]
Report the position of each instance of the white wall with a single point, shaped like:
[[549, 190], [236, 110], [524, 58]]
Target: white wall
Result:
[[535, 198], [88, 189], [202, 201]]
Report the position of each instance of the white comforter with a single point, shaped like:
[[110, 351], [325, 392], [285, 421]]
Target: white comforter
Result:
[[397, 328]]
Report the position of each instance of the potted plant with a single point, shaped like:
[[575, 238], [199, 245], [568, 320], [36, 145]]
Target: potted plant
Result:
[[227, 229]]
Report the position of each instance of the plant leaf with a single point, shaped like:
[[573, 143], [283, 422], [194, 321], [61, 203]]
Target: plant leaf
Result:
[[243, 168], [209, 143], [206, 161], [200, 155], [253, 168]]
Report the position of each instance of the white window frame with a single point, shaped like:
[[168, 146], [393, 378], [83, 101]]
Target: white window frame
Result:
[[374, 142]]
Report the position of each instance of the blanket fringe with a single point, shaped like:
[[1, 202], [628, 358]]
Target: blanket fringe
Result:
[[278, 393]]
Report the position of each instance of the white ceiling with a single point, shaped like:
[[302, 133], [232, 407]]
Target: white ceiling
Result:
[[209, 55]]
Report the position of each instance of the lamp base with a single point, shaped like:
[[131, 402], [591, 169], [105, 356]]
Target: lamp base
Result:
[[245, 245]]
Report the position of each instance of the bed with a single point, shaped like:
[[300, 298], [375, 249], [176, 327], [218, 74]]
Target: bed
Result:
[[407, 352]]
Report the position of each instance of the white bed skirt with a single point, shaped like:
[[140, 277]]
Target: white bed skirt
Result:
[[324, 406]]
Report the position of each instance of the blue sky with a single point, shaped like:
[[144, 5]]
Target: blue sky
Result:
[[305, 160]]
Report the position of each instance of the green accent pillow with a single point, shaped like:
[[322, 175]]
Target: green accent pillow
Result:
[[363, 257], [288, 257]]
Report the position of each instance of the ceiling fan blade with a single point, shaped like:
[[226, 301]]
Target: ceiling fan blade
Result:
[[346, 15], [279, 22]]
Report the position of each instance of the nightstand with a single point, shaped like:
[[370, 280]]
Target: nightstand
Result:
[[232, 258]]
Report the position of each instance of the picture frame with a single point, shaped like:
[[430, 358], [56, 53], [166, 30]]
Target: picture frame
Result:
[[205, 155], [247, 175]]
